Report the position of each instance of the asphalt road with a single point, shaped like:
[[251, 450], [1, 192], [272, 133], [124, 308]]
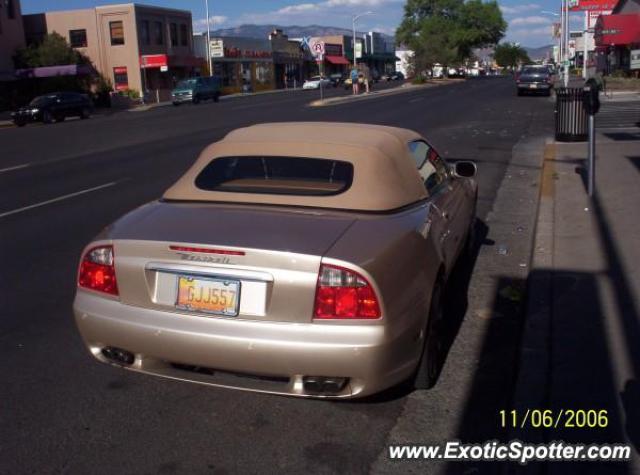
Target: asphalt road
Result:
[[62, 412]]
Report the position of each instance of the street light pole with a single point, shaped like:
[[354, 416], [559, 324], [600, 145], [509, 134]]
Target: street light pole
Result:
[[354, 18], [566, 43], [206, 5]]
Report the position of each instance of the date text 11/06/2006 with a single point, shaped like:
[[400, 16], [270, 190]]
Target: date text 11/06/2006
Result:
[[561, 418]]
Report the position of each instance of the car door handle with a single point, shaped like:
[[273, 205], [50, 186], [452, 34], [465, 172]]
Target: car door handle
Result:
[[445, 215]]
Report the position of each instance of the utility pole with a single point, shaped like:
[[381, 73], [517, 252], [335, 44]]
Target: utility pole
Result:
[[206, 6]]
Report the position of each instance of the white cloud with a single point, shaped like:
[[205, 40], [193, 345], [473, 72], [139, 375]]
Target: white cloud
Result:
[[214, 21], [513, 10], [330, 12], [530, 20]]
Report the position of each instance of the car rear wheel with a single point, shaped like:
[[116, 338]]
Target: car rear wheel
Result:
[[196, 99], [429, 367], [20, 123], [216, 97], [47, 118], [85, 113]]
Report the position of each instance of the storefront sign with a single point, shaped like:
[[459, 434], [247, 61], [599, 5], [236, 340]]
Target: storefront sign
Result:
[[635, 59], [217, 48], [153, 61], [238, 53], [594, 5]]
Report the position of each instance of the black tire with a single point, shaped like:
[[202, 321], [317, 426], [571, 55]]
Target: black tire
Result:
[[60, 118], [47, 118], [429, 367], [196, 99], [519, 92], [85, 113], [176, 104], [20, 123], [216, 97]]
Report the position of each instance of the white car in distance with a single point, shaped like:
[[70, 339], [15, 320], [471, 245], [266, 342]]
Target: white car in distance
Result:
[[315, 81]]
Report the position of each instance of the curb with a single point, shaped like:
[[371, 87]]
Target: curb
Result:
[[5, 124], [532, 383], [385, 92]]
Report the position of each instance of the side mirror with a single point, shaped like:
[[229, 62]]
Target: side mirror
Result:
[[465, 169]]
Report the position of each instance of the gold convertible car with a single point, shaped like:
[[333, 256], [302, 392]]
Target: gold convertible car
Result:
[[306, 259]]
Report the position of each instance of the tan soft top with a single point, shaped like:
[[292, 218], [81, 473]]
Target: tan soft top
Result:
[[384, 177]]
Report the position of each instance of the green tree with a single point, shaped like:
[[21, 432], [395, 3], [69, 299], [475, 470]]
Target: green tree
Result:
[[53, 50], [447, 31], [510, 55]]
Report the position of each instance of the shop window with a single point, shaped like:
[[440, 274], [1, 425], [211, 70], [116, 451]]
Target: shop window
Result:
[[158, 32], [184, 40], [78, 38], [144, 32], [173, 30], [263, 73], [120, 78], [116, 29]]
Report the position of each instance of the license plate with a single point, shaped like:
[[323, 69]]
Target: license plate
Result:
[[533, 86], [207, 295]]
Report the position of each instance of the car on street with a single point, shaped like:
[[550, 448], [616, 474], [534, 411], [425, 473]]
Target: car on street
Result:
[[336, 79], [306, 259], [315, 82], [194, 90], [534, 79], [393, 76], [54, 107]]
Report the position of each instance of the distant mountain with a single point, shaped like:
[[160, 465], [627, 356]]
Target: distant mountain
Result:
[[540, 53], [294, 31]]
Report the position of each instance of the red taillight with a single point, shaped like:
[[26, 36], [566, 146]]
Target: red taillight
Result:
[[97, 271], [343, 293]]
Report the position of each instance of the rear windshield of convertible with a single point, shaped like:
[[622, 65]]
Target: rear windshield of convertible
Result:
[[276, 175]]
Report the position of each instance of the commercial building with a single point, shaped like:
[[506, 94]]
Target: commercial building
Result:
[[254, 64], [617, 38], [136, 47], [11, 36]]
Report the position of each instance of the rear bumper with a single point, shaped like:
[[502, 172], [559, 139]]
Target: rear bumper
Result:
[[541, 86], [182, 98], [259, 356]]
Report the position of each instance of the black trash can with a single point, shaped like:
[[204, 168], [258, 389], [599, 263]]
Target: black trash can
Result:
[[571, 116]]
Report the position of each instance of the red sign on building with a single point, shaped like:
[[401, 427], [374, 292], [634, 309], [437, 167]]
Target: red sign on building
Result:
[[593, 5]]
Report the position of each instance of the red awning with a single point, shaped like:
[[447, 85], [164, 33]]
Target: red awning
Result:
[[336, 59], [614, 30]]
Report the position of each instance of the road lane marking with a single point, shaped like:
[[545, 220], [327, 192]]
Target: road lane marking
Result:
[[17, 167], [59, 198]]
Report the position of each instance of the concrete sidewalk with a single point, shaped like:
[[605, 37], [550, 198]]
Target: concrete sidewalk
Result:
[[581, 344]]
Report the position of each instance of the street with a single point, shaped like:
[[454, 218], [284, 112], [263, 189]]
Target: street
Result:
[[63, 412]]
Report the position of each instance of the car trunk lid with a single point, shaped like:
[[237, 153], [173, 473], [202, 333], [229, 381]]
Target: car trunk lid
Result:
[[270, 256]]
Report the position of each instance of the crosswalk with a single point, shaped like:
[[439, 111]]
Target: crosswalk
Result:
[[618, 115]]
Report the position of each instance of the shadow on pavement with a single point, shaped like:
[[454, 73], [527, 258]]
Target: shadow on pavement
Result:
[[585, 356]]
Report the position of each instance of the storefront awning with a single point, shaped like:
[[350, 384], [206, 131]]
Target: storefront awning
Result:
[[336, 59], [155, 61], [617, 30]]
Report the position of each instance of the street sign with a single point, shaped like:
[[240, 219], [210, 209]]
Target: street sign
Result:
[[358, 49], [317, 48], [217, 48]]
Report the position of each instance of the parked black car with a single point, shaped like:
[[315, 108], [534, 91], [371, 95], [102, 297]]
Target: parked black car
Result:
[[56, 106], [534, 79]]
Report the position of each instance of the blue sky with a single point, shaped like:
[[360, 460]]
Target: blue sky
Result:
[[527, 24]]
